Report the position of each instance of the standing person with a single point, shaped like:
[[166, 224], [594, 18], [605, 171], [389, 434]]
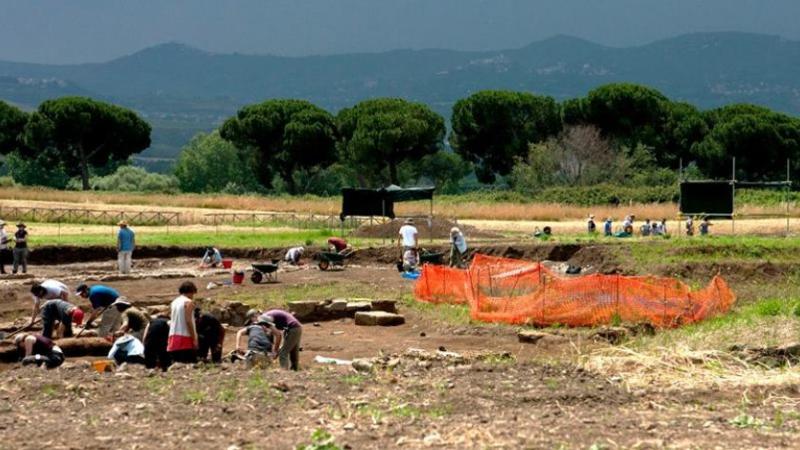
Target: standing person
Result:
[[286, 347], [591, 227], [60, 314], [458, 248], [36, 349], [126, 241], [134, 320], [608, 227], [182, 342], [408, 236], [20, 249], [6, 256], [155, 340], [101, 297], [261, 337], [210, 336], [704, 226], [47, 290], [689, 226], [663, 227]]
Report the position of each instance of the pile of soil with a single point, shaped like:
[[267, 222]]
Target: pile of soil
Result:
[[438, 229]]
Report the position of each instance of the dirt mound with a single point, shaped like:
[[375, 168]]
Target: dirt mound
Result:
[[438, 229]]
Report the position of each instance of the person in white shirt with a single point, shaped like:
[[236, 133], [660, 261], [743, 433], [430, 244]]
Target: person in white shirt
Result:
[[5, 252], [458, 248], [293, 255], [47, 290], [408, 236]]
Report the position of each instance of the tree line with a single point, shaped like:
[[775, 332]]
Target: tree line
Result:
[[623, 134]]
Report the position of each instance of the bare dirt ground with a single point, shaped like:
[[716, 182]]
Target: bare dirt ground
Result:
[[498, 394]]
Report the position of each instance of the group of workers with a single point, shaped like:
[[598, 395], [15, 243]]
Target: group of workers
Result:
[[408, 240], [185, 335], [337, 245], [648, 228], [18, 256]]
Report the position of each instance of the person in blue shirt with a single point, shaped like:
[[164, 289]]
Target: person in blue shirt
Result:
[[102, 297], [126, 241], [607, 227], [211, 258]]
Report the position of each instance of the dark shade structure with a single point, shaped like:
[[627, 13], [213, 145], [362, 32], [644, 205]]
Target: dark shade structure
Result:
[[380, 202], [707, 198]]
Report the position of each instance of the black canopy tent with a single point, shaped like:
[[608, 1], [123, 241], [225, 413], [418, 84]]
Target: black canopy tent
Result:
[[380, 202]]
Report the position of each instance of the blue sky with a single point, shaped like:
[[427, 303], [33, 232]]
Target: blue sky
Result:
[[68, 31]]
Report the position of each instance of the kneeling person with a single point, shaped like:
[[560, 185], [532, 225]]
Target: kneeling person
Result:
[[260, 340], [127, 349], [134, 320], [39, 350]]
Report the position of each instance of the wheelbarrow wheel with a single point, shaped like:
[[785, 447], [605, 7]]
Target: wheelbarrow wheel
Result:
[[257, 277], [324, 265]]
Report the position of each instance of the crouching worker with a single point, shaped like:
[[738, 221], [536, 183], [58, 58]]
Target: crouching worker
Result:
[[155, 340], [47, 290], [293, 255], [211, 258], [287, 344], [127, 350], [36, 349], [134, 320], [210, 336], [58, 316], [409, 263], [102, 297], [340, 246], [261, 338]]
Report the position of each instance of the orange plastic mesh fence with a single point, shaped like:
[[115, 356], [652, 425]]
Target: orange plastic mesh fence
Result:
[[521, 292]]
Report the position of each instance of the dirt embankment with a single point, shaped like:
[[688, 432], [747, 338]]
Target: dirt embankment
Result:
[[437, 229]]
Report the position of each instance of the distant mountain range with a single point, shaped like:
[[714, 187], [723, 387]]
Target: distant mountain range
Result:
[[182, 90]]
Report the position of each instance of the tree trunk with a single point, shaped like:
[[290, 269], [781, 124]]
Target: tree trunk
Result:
[[84, 168], [392, 172]]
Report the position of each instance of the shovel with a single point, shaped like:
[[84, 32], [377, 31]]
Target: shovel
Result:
[[4, 335]]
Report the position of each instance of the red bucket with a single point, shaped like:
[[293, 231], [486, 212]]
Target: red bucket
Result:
[[227, 263], [238, 277]]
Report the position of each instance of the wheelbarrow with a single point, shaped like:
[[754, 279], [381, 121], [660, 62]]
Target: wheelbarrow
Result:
[[268, 271], [329, 260], [435, 258]]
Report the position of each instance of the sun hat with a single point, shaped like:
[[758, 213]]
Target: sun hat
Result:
[[265, 321], [122, 223], [121, 301], [21, 225]]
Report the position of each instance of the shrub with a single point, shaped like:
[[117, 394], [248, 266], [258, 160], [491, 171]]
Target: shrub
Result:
[[135, 179]]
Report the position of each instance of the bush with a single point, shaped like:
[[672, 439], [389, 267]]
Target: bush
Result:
[[135, 179], [210, 164], [32, 172], [6, 181]]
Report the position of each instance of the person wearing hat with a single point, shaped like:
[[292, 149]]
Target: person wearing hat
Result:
[[6, 256], [134, 320], [37, 349], [261, 337], [20, 249], [294, 254], [608, 227], [458, 248], [126, 241], [591, 226], [47, 290], [101, 298], [127, 349], [59, 315], [211, 258]]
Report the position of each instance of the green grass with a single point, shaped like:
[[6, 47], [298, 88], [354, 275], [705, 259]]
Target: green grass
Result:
[[227, 239], [764, 322]]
